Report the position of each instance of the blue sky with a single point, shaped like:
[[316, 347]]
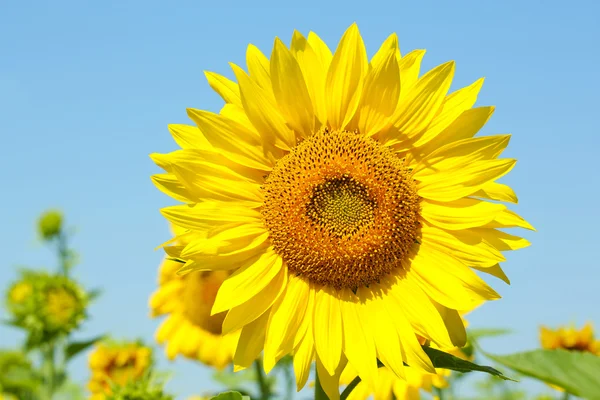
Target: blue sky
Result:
[[87, 90]]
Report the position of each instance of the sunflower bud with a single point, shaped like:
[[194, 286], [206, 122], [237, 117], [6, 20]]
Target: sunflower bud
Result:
[[50, 224]]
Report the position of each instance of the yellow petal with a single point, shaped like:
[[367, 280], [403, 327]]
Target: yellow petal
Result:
[[188, 137], [412, 350], [328, 329], [387, 343], [452, 107], [254, 307], [227, 240], [460, 154], [497, 191], [454, 324], [447, 280], [466, 245], [227, 89], [420, 311], [391, 43], [263, 113], [496, 271], [207, 213], [213, 181], [168, 184], [240, 144], [460, 214], [509, 219], [330, 383], [463, 181], [259, 69], [345, 78], [359, 346], [251, 343], [464, 127], [410, 65], [290, 90], [321, 49], [380, 93], [303, 358], [499, 239], [314, 72], [416, 111], [285, 320], [248, 281]]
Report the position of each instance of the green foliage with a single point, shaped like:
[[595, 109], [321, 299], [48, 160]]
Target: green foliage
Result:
[[17, 376], [74, 348], [577, 372], [444, 360], [147, 388], [230, 396]]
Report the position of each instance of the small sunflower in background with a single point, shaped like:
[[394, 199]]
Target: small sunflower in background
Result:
[[349, 198], [189, 328], [45, 304], [116, 364], [570, 338]]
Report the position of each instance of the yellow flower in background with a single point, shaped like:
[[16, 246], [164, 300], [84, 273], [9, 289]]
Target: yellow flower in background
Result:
[[569, 338], [189, 329], [20, 292], [118, 364], [350, 200]]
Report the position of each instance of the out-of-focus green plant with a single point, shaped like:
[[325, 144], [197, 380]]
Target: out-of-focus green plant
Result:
[[49, 307], [149, 387]]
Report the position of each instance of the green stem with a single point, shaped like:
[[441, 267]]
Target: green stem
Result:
[[350, 388], [439, 393], [265, 393], [49, 370], [565, 396], [319, 392], [63, 253]]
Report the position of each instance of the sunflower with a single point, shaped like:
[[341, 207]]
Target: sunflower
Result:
[[117, 364], [189, 329], [569, 338], [341, 192], [46, 304]]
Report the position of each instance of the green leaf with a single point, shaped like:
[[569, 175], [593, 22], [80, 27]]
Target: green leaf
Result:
[[75, 348], [576, 372], [230, 396], [475, 334], [94, 294], [441, 359]]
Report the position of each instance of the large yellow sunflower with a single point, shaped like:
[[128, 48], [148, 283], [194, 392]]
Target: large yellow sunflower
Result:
[[349, 197], [189, 329]]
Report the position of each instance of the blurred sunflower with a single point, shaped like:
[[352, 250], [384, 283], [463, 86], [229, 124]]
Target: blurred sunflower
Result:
[[46, 304], [569, 338], [112, 363], [189, 328], [342, 192]]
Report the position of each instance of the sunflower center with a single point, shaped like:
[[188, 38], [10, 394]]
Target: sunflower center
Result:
[[199, 296], [341, 205], [341, 210]]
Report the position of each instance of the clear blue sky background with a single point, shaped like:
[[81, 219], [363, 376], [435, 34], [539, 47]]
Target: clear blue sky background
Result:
[[87, 90]]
